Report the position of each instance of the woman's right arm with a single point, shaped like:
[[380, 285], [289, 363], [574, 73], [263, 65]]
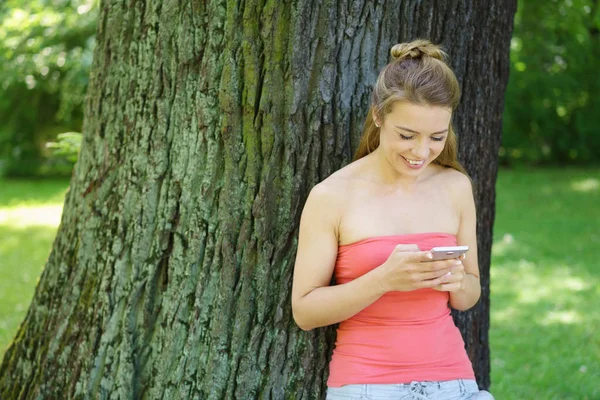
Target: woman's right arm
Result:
[[314, 302]]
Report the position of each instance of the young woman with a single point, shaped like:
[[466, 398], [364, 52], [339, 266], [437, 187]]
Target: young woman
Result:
[[372, 224]]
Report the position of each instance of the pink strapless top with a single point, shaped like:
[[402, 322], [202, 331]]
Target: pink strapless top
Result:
[[403, 336]]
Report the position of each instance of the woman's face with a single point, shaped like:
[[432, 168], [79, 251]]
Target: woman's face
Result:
[[412, 136]]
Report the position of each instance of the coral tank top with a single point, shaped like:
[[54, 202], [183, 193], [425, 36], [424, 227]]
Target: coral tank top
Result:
[[403, 336]]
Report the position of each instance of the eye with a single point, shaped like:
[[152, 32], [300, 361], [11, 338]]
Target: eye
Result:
[[437, 139], [404, 137]]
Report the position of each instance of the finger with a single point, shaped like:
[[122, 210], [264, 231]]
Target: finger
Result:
[[442, 264], [447, 287], [452, 278], [429, 283], [457, 269], [429, 275], [407, 247], [411, 256], [417, 257]]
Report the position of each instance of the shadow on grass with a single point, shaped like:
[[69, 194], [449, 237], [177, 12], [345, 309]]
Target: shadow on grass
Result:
[[544, 319], [23, 254], [545, 286]]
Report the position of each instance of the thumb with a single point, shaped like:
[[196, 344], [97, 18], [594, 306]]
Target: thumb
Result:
[[406, 247], [417, 256]]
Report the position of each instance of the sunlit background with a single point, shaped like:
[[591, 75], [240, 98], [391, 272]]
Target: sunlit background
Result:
[[545, 309]]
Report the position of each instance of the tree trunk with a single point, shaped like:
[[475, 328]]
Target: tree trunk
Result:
[[206, 124]]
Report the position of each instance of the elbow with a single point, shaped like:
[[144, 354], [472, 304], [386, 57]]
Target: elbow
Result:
[[467, 298], [464, 304], [462, 307], [301, 322], [305, 327], [299, 319]]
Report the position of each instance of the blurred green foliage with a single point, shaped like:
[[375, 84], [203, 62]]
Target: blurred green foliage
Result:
[[46, 49], [552, 100], [67, 146]]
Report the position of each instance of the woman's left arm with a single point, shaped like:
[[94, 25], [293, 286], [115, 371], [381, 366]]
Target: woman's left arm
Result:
[[464, 286]]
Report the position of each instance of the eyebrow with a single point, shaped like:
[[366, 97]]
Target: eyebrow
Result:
[[411, 131]]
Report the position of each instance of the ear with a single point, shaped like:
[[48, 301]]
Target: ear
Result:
[[376, 119]]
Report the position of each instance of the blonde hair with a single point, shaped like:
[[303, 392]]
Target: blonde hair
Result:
[[417, 74]]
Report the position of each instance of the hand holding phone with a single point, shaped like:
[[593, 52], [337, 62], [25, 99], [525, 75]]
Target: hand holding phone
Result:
[[407, 268]]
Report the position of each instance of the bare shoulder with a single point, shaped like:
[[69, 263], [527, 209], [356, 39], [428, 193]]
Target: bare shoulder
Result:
[[337, 185], [459, 187], [326, 200], [456, 179], [321, 199], [330, 189], [455, 185]]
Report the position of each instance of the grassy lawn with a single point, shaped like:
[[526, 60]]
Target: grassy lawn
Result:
[[545, 285], [545, 280], [29, 217]]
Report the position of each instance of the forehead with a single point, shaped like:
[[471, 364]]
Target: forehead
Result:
[[419, 118]]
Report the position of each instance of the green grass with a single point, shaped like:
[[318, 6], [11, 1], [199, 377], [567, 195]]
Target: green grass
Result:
[[545, 278], [545, 285], [29, 217]]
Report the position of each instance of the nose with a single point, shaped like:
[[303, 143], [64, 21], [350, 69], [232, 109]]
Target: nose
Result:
[[421, 150]]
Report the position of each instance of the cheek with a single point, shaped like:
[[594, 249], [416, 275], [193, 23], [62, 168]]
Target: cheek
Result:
[[437, 148], [399, 148], [392, 146]]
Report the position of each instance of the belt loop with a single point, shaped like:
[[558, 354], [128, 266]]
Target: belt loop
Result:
[[417, 390]]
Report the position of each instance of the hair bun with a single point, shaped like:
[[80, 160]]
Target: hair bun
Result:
[[417, 49]]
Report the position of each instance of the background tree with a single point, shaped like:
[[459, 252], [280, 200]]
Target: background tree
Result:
[[46, 51], [552, 102], [206, 124]]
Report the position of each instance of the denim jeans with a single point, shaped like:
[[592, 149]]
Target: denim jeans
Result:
[[459, 389]]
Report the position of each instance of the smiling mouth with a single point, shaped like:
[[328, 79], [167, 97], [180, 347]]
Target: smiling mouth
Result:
[[414, 162]]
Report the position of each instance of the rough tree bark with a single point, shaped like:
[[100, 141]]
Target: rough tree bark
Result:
[[206, 124]]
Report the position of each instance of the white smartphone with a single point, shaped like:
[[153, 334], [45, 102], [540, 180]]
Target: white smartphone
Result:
[[446, 253]]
